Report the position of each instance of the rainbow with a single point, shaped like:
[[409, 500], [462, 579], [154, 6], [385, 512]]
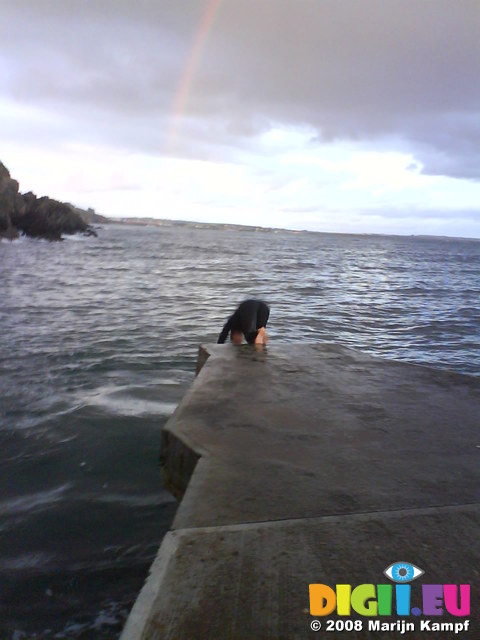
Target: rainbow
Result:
[[194, 59]]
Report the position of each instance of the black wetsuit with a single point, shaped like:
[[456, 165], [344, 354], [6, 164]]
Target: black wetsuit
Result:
[[247, 319]]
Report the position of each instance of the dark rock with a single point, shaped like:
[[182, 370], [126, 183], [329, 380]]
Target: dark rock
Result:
[[37, 217], [20, 207], [8, 200], [10, 233], [47, 218]]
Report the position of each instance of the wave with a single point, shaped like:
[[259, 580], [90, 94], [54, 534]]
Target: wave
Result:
[[35, 501], [36, 560]]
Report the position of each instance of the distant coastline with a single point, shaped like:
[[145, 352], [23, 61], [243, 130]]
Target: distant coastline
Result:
[[165, 222]]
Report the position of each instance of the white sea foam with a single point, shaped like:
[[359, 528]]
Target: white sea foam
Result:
[[76, 237], [33, 501], [125, 404], [26, 561]]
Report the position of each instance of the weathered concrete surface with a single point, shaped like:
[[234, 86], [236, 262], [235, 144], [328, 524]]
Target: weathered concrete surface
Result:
[[316, 463]]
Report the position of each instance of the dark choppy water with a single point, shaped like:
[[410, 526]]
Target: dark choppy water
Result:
[[98, 342]]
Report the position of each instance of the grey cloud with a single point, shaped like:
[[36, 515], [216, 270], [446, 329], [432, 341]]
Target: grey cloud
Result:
[[351, 70]]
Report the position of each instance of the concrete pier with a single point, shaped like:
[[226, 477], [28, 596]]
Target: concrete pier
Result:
[[308, 464]]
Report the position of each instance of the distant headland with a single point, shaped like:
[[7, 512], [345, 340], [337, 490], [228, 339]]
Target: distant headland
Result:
[[40, 217]]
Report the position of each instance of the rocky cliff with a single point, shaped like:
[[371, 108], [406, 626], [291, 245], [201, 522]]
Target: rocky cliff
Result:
[[36, 217]]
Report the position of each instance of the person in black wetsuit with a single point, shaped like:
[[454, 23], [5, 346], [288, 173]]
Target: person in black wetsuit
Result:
[[249, 320]]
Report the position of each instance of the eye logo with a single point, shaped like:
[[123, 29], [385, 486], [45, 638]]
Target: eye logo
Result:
[[402, 572]]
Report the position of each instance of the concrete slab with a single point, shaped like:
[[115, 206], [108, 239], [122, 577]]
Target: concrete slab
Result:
[[309, 463]]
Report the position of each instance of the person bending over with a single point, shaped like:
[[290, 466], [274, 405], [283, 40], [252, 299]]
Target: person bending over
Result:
[[249, 320]]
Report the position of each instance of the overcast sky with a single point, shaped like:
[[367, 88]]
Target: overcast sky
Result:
[[334, 115]]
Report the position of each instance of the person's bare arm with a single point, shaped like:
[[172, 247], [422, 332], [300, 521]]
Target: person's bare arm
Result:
[[225, 331], [262, 337]]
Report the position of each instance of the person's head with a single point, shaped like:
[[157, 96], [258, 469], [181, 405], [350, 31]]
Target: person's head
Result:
[[236, 336]]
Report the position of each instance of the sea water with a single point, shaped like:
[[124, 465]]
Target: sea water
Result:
[[98, 343]]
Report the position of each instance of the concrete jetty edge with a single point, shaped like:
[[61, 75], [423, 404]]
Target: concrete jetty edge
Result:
[[309, 463]]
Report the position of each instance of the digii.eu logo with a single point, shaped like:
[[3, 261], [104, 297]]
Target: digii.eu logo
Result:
[[376, 600]]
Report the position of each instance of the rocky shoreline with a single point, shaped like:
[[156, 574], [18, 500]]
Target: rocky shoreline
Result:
[[39, 217]]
